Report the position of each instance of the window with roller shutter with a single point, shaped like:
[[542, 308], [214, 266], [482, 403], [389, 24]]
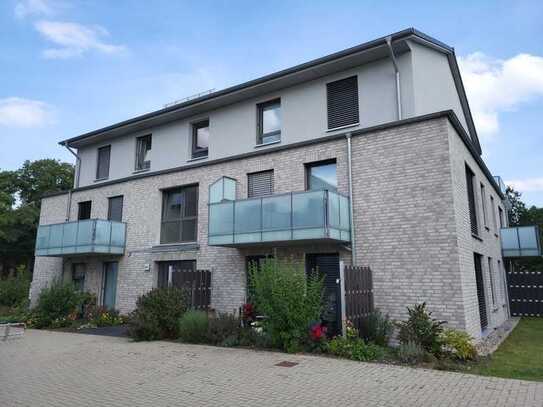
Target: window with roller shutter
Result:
[[342, 99], [260, 184]]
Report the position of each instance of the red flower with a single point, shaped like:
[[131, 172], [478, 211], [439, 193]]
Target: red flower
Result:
[[317, 332], [248, 312]]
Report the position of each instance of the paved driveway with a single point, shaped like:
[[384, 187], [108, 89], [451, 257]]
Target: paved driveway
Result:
[[63, 369]]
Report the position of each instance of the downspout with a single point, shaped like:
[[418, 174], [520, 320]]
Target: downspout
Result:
[[351, 211], [397, 72], [76, 180]]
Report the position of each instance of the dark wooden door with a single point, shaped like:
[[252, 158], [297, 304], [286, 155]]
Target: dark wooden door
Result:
[[480, 290], [328, 265]]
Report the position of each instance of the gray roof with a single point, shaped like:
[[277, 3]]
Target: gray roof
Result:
[[337, 61]]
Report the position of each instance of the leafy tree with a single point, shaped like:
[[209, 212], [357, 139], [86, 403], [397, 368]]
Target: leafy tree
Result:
[[518, 208], [20, 200]]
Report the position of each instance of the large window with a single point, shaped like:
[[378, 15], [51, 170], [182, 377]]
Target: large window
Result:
[[200, 139], [84, 210], [500, 214], [102, 165], [78, 276], [115, 208], [322, 175], [493, 211], [179, 215], [470, 182], [143, 152], [260, 184], [342, 99], [269, 122], [491, 277]]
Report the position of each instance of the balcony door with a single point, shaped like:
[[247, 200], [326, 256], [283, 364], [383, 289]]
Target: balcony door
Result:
[[109, 284]]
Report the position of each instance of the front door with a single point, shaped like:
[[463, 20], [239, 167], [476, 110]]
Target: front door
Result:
[[110, 284], [328, 265]]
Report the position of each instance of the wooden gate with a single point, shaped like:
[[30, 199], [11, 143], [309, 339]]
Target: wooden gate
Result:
[[197, 286], [525, 293], [357, 291]]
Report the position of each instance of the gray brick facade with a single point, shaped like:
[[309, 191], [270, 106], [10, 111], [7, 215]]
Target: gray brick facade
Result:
[[410, 215]]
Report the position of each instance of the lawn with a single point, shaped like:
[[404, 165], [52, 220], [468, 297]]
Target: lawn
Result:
[[520, 356]]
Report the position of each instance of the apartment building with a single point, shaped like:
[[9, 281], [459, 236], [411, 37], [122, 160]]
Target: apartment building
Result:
[[367, 156]]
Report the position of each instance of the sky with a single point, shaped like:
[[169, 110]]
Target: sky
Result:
[[68, 67]]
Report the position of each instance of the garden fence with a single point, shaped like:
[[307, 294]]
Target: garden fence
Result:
[[197, 285]]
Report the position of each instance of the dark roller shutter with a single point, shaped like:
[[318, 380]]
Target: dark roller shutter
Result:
[[480, 290], [342, 102], [471, 201], [260, 184], [115, 209]]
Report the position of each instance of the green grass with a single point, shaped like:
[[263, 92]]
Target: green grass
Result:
[[520, 356]]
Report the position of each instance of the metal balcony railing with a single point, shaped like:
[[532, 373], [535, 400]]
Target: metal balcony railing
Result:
[[521, 241]]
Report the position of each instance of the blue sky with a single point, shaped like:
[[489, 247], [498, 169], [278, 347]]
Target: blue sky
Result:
[[68, 67]]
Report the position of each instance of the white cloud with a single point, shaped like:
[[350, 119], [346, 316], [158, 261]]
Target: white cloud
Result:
[[495, 86], [25, 8], [74, 39], [527, 185], [19, 112]]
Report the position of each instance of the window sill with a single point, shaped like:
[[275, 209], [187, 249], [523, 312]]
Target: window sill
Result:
[[476, 237], [198, 159], [101, 179], [142, 170], [175, 247], [343, 127], [267, 144]]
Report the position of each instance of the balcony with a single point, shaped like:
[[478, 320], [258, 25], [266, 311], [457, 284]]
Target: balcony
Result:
[[292, 217], [90, 236], [521, 241]]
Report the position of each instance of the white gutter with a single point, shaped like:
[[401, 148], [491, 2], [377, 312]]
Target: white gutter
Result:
[[397, 71], [76, 180], [351, 211]]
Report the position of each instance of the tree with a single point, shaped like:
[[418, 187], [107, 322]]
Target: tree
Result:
[[20, 201], [518, 208]]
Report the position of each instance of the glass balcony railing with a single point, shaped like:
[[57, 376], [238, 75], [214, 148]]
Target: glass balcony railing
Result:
[[521, 241], [89, 236], [298, 216]]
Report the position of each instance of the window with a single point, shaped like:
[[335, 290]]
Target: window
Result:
[[470, 178], [321, 175], [102, 167], [84, 210], [269, 122], [143, 152], [260, 184], [503, 277], [115, 209], [342, 99], [500, 213], [491, 276], [200, 139], [179, 215], [483, 202], [481, 298], [493, 210], [78, 276]]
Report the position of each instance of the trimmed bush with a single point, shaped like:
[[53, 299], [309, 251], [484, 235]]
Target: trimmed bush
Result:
[[290, 300], [224, 330], [157, 314], [458, 344], [193, 327], [421, 329], [377, 328], [58, 306], [355, 349], [411, 353]]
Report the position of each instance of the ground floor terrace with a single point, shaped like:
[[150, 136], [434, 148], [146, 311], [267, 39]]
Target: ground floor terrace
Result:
[[65, 369]]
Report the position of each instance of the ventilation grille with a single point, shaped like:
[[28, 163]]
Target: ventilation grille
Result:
[[342, 102], [260, 184]]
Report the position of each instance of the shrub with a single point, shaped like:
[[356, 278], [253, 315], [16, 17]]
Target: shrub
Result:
[[377, 328], [289, 299], [193, 326], [411, 352], [421, 329], [157, 314], [101, 316], [224, 330], [458, 344], [58, 306], [354, 348], [14, 289]]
